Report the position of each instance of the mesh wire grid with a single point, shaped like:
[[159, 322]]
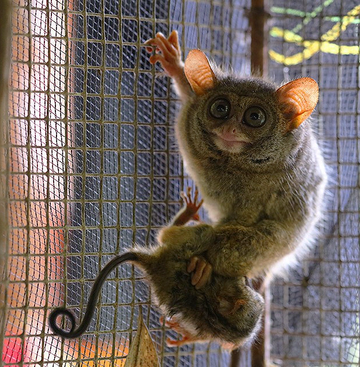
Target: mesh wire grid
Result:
[[81, 192], [94, 167], [316, 310]]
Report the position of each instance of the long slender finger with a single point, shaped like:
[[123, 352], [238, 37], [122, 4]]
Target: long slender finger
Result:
[[196, 195], [200, 203], [188, 192], [150, 42], [200, 267], [174, 40], [158, 42], [169, 46], [177, 343], [205, 276], [184, 197], [192, 265]]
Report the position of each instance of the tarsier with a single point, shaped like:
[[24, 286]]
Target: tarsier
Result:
[[250, 149], [225, 310]]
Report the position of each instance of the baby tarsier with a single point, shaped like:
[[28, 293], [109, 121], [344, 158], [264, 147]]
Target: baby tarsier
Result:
[[251, 151], [225, 309]]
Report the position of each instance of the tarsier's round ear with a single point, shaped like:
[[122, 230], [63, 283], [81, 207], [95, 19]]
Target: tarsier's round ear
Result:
[[297, 100], [198, 72]]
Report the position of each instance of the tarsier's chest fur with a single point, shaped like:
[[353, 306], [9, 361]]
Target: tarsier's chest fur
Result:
[[286, 195]]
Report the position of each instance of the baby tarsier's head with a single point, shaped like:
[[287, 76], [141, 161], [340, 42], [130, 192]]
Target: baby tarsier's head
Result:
[[249, 118]]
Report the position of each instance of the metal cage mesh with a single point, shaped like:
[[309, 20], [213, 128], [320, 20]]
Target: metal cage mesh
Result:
[[316, 310], [94, 167]]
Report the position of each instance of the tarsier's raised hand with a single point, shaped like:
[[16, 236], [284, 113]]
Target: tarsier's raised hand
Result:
[[200, 268], [168, 54]]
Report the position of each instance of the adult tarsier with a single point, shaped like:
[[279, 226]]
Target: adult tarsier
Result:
[[250, 149]]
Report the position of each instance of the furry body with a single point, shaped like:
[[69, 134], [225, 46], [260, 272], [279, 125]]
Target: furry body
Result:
[[265, 201], [250, 149], [207, 314], [225, 310]]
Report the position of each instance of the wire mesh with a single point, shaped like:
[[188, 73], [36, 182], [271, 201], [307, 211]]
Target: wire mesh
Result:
[[315, 311], [94, 167]]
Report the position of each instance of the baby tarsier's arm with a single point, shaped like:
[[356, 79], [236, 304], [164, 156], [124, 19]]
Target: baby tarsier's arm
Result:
[[176, 234], [189, 210]]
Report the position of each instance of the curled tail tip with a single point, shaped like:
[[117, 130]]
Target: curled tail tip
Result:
[[61, 311], [99, 281]]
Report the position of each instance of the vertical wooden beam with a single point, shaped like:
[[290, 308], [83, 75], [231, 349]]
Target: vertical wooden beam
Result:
[[258, 17], [260, 351], [259, 37]]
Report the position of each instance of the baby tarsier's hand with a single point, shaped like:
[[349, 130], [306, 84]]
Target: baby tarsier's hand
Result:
[[168, 54], [190, 209]]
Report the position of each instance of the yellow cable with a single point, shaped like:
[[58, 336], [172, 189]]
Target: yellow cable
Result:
[[312, 47]]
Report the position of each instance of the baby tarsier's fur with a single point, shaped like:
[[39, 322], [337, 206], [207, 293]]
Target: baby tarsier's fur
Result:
[[262, 186], [225, 309]]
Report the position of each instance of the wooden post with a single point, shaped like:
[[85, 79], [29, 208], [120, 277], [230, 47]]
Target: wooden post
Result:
[[258, 17], [260, 351], [259, 37]]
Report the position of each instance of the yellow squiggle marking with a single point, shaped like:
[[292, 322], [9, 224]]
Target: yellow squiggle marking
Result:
[[312, 47]]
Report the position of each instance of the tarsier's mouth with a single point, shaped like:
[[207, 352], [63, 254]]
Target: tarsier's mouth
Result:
[[231, 144], [231, 139]]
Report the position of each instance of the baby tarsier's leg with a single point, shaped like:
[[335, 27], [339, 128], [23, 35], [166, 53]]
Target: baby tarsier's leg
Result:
[[168, 54]]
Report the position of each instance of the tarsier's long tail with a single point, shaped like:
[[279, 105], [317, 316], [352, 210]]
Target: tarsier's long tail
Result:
[[95, 290]]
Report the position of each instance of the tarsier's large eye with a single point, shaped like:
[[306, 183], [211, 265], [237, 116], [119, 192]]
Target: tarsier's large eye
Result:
[[220, 108], [254, 117]]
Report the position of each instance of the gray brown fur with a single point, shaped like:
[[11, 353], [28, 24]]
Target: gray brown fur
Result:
[[203, 313], [265, 201]]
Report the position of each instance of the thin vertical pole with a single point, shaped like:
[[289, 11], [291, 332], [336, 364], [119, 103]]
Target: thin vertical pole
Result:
[[258, 18], [259, 67], [259, 37]]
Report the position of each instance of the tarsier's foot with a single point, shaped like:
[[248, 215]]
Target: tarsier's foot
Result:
[[201, 271], [174, 324], [168, 53], [180, 342]]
